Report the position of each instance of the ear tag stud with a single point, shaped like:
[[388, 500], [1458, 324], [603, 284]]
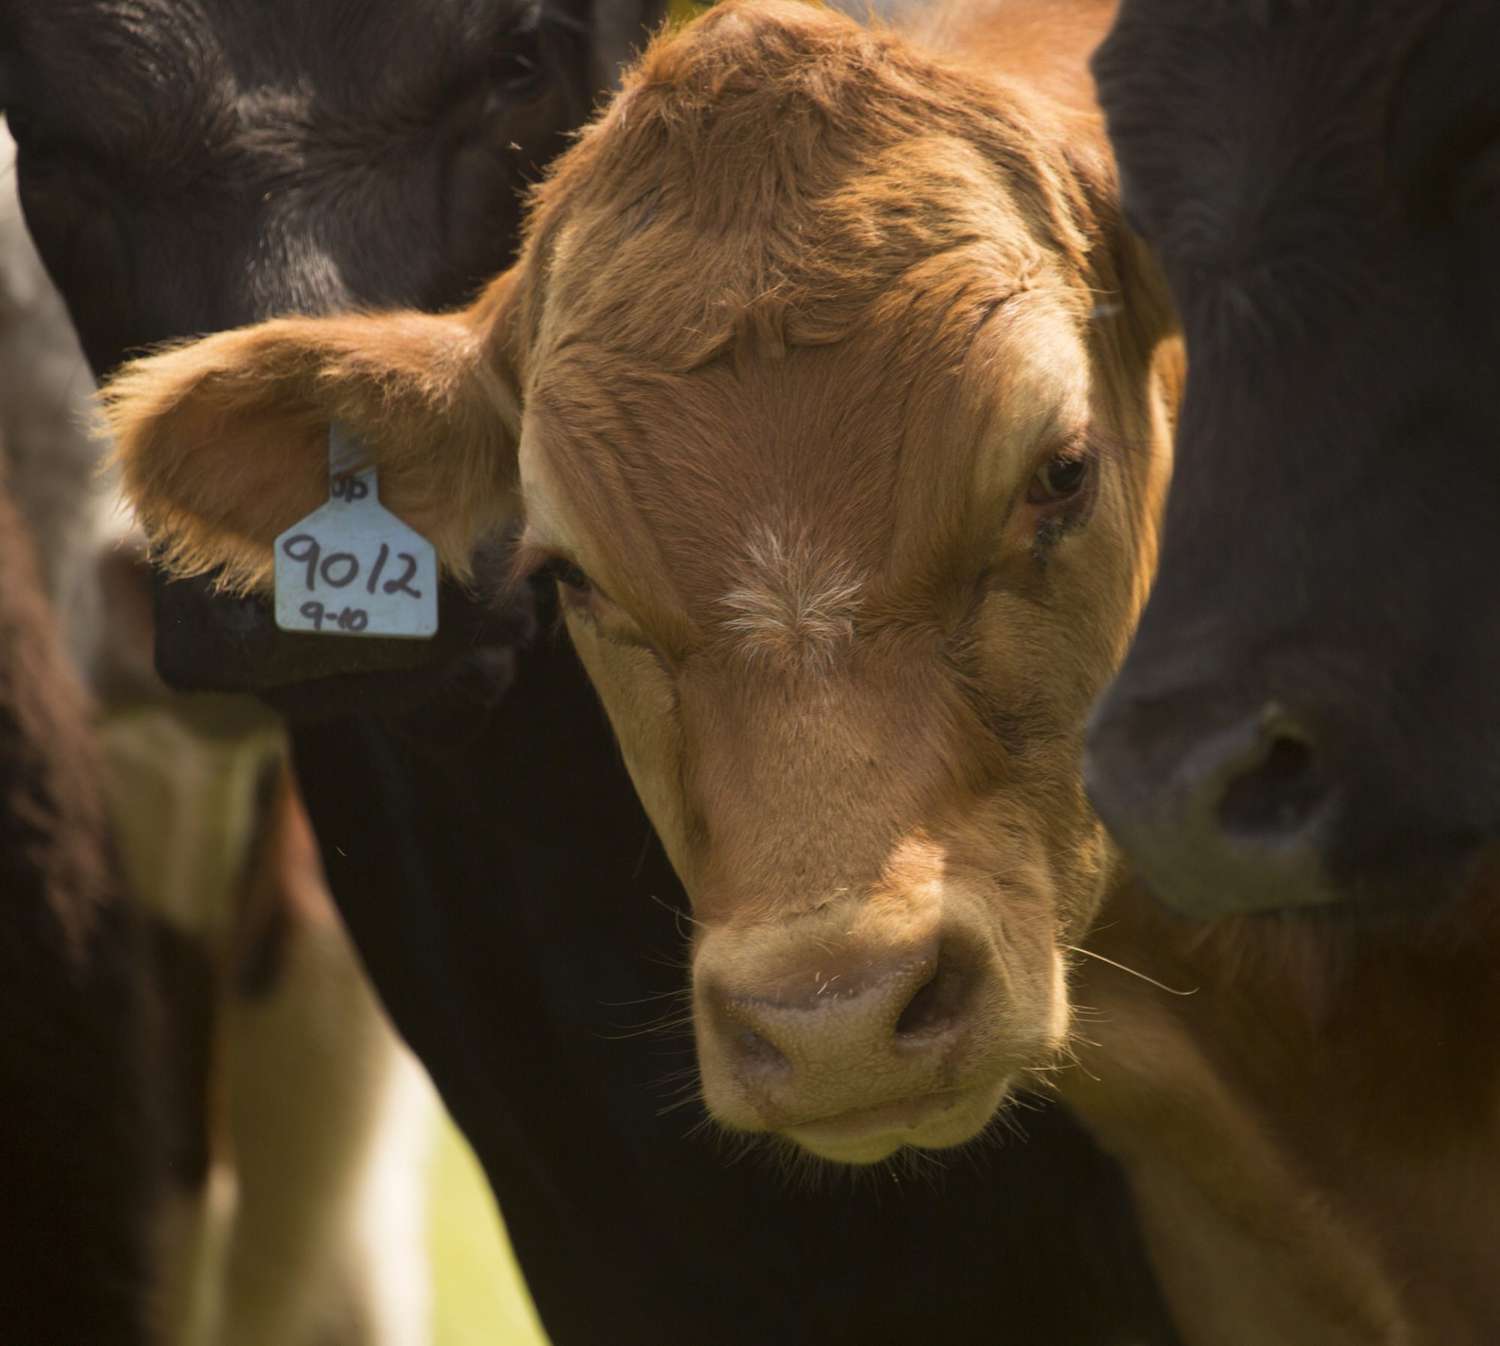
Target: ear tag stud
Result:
[[351, 567]]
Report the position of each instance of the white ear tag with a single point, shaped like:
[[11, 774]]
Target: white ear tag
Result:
[[351, 567]]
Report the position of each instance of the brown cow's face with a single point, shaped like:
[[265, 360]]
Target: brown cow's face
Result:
[[847, 607], [846, 465]]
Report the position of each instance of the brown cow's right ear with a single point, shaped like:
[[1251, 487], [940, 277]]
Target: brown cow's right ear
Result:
[[223, 443], [1128, 278]]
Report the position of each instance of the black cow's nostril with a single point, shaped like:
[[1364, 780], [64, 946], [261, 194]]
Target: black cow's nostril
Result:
[[1219, 814], [1278, 795]]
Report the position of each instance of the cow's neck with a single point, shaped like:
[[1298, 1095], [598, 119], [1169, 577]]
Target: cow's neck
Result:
[[1312, 1131]]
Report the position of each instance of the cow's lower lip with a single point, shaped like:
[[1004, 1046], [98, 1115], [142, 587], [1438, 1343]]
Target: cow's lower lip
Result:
[[928, 1121]]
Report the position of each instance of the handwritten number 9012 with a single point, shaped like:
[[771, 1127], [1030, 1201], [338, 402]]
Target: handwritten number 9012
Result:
[[341, 568]]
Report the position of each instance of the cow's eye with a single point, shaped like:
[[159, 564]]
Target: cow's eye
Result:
[[517, 67], [1060, 478], [516, 70], [569, 575]]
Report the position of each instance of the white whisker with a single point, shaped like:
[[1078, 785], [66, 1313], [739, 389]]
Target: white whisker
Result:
[[1160, 985]]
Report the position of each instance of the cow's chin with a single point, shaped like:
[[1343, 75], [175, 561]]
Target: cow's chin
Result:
[[929, 1122]]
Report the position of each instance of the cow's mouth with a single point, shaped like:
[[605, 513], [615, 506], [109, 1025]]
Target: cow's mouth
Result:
[[935, 1121]]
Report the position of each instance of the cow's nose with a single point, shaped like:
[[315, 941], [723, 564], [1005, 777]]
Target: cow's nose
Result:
[[1232, 819], [835, 1031], [906, 1003]]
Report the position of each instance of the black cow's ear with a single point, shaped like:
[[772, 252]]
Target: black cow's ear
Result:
[[222, 443], [621, 29]]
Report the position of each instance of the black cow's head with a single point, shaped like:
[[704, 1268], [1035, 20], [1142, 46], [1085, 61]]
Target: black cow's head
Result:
[[1311, 710], [187, 167]]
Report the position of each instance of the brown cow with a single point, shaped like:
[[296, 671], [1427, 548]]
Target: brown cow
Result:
[[1311, 1125], [846, 478]]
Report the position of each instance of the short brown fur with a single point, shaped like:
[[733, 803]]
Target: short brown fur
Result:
[[797, 463]]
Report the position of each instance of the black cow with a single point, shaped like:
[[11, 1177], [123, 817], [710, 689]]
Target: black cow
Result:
[[1310, 712], [488, 853]]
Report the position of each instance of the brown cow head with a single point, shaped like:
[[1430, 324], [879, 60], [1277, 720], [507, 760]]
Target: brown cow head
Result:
[[826, 387]]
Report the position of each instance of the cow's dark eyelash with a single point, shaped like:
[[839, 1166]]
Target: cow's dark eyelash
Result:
[[1064, 485], [519, 57], [1068, 515], [1063, 478], [566, 573], [512, 64], [532, 560]]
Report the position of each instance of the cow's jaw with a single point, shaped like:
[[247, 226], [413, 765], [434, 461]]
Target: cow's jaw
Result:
[[929, 1122]]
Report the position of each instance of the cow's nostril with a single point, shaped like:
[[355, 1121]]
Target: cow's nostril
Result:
[[1275, 797], [1221, 813], [937, 1003], [758, 1054]]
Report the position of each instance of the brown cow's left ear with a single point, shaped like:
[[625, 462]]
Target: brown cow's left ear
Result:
[[223, 443]]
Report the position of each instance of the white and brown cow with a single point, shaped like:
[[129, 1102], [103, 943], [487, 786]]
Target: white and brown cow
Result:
[[259, 1102]]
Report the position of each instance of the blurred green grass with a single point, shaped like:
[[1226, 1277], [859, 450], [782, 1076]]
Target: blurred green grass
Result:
[[479, 1297]]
